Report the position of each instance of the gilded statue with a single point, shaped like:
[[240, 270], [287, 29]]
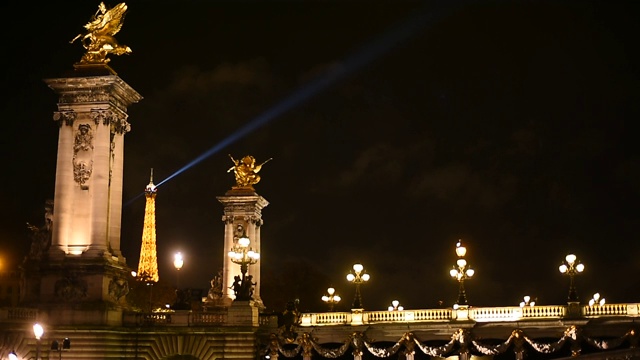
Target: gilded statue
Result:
[[99, 40], [246, 170]]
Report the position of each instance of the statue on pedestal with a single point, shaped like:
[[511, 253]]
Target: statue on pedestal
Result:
[[246, 170], [99, 40], [215, 292], [41, 236]]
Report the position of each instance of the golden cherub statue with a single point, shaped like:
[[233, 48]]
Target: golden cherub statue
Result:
[[99, 40], [246, 170]]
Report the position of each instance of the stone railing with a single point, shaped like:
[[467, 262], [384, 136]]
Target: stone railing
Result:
[[357, 317], [192, 318], [611, 310], [208, 318], [18, 314], [479, 314]]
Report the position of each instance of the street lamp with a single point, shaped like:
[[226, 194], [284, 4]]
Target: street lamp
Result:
[[358, 276], [38, 331], [242, 254], [527, 302], [596, 300], [395, 306], [66, 345], [178, 262], [571, 266], [461, 271], [331, 298]]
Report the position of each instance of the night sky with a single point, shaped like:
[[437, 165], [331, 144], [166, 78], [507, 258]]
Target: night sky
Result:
[[396, 128]]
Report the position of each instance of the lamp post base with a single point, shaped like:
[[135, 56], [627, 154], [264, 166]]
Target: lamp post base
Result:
[[243, 313]]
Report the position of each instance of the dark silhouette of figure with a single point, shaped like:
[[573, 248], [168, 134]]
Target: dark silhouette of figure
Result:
[[290, 318], [237, 285], [243, 288], [183, 300], [41, 236], [247, 287]]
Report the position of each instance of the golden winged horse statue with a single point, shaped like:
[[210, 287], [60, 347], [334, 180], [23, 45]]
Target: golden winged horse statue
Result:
[[99, 40]]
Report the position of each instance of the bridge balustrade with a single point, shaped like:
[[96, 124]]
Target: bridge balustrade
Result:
[[18, 314], [358, 317], [476, 314]]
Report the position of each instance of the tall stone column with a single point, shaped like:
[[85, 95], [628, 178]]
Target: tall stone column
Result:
[[92, 115], [242, 206], [84, 266]]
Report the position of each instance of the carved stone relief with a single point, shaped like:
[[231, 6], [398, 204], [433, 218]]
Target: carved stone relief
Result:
[[118, 287], [252, 219], [238, 232], [102, 116], [112, 152], [71, 289], [82, 155], [66, 117], [120, 125], [88, 97]]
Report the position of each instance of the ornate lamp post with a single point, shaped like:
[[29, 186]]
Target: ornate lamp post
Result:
[[596, 300], [395, 306], [358, 276], [571, 267], [461, 272], [331, 298], [243, 255], [178, 263], [527, 301], [38, 331]]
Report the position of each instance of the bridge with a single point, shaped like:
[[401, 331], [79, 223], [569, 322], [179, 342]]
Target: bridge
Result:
[[533, 332]]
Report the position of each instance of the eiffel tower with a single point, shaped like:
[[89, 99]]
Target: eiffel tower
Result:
[[148, 264]]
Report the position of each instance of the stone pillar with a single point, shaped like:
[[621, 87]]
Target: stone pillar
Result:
[[92, 116], [574, 310], [243, 313], [84, 264], [242, 206]]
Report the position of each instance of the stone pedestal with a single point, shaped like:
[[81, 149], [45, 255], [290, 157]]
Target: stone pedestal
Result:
[[216, 304], [81, 277], [242, 207], [574, 310], [243, 313], [92, 116], [461, 313]]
